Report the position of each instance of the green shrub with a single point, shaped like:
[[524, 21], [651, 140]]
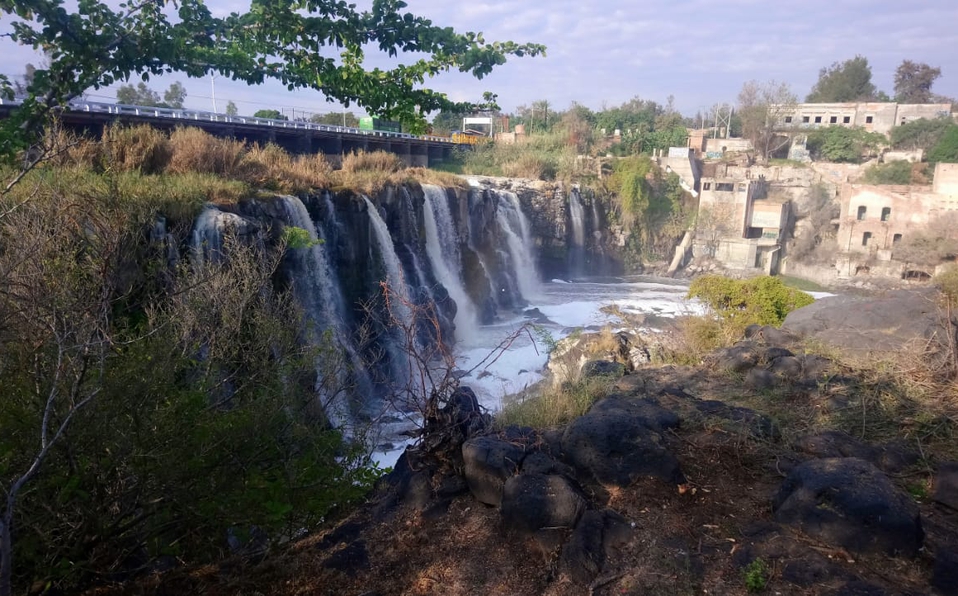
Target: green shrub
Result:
[[756, 575], [947, 148], [897, 172], [841, 144], [737, 303]]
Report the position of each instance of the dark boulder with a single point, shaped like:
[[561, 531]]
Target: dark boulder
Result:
[[746, 421], [945, 574], [645, 411], [848, 502], [531, 502], [595, 539], [788, 367], [488, 462], [760, 379], [946, 485], [738, 358], [891, 457], [602, 368], [617, 449]]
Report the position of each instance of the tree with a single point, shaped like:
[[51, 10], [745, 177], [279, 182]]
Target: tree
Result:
[[762, 109], [271, 114], [850, 80], [231, 109], [143, 95], [140, 95], [95, 45], [336, 119], [175, 96], [922, 133], [913, 82]]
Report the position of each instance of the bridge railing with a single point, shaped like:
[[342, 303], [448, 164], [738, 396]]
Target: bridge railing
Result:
[[201, 116]]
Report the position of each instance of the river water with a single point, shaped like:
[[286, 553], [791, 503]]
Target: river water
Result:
[[566, 306]]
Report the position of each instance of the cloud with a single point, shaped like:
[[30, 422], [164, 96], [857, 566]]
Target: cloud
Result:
[[611, 50]]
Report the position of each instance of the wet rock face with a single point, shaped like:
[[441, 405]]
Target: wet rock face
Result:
[[848, 502]]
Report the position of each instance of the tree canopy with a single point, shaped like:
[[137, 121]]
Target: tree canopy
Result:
[[314, 44], [913, 82], [850, 80], [142, 95], [762, 106]]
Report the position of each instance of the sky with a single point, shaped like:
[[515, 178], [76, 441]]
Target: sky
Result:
[[603, 53]]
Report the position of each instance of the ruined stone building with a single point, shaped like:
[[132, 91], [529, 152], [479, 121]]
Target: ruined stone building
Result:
[[875, 219], [879, 117]]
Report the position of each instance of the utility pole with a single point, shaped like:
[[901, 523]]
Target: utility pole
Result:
[[213, 91]]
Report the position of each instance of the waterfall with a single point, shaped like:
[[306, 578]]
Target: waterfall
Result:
[[206, 245], [317, 290], [577, 215], [394, 274], [577, 218], [513, 223], [442, 247]]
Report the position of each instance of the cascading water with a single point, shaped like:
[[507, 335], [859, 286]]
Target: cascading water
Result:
[[317, 290], [206, 245], [514, 225], [394, 273], [577, 218], [442, 247]]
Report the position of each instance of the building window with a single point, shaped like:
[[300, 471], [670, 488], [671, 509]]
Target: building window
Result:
[[903, 120], [818, 119], [869, 119], [707, 186], [788, 119], [861, 212], [847, 120], [885, 213], [741, 187], [805, 119], [833, 120], [865, 238], [725, 186], [896, 240]]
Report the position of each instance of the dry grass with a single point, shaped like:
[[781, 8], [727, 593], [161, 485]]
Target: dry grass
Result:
[[435, 177], [195, 150], [141, 148], [272, 167], [554, 406], [368, 173]]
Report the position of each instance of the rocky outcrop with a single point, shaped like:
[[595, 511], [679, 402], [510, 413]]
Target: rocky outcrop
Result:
[[888, 323], [848, 502]]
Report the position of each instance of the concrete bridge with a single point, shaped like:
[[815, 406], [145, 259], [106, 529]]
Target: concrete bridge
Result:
[[295, 137]]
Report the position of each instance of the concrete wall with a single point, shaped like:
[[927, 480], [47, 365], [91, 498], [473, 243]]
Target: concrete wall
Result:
[[946, 179], [723, 145], [913, 156], [872, 116]]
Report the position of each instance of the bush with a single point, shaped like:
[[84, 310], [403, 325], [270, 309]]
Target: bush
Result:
[[204, 422], [897, 172], [923, 133], [841, 144], [946, 150], [761, 300]]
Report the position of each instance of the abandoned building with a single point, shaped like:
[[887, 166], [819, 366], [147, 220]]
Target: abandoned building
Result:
[[872, 116], [738, 224], [876, 219]]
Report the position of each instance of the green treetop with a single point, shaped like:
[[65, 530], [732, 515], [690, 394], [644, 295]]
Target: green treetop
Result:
[[315, 44]]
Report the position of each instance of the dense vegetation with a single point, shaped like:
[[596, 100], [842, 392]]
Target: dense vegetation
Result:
[[735, 304], [193, 423]]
